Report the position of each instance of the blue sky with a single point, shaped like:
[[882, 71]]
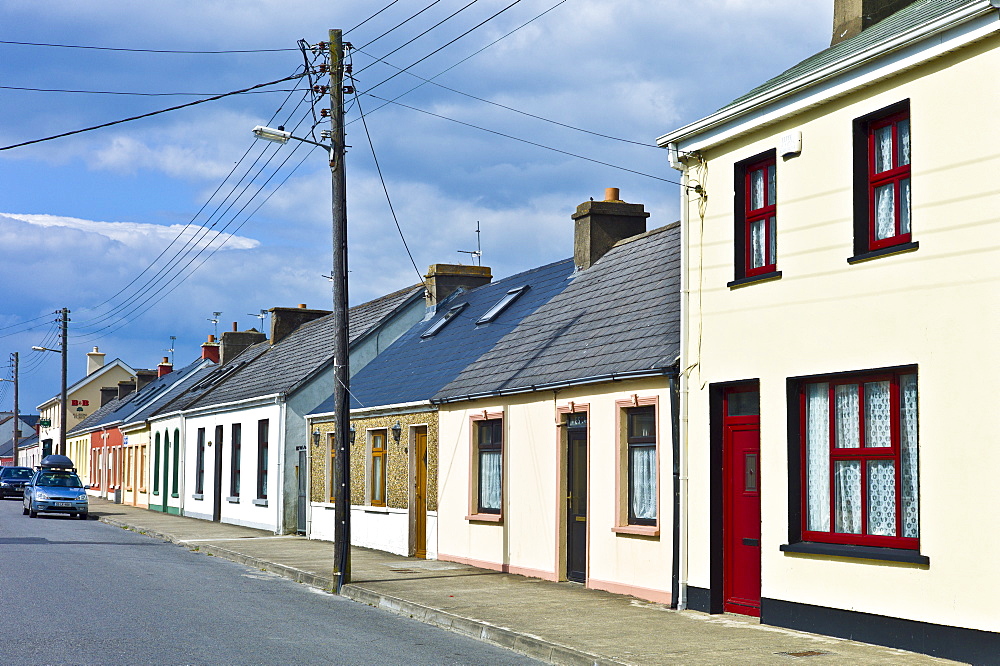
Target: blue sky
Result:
[[83, 216]]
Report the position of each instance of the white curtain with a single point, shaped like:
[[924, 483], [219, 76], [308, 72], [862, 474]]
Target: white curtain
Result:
[[878, 429], [903, 139], [908, 454], [847, 477], [882, 497], [883, 149], [757, 189], [490, 480], [643, 482], [818, 457], [904, 206], [848, 433], [885, 211], [757, 244]]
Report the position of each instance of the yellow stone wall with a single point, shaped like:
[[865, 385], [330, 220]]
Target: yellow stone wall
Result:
[[397, 459]]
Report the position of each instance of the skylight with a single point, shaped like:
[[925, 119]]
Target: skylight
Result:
[[502, 304], [440, 323]]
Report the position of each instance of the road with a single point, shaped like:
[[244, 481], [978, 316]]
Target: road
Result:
[[82, 592]]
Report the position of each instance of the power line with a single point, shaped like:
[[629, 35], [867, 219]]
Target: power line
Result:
[[372, 16], [127, 50], [532, 143], [134, 94], [152, 113], [402, 23], [384, 187]]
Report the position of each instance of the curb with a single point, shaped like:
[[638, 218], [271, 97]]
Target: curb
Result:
[[526, 644]]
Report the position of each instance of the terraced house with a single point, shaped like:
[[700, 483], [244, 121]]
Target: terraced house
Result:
[[840, 232]]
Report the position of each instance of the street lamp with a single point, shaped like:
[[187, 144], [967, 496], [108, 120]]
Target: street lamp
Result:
[[62, 395]]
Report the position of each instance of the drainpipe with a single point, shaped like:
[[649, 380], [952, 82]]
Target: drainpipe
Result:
[[684, 382], [675, 441]]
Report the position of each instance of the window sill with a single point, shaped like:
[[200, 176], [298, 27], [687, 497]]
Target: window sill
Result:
[[857, 552], [176, 495], [638, 530], [754, 279], [198, 496], [485, 518], [233, 500], [156, 492], [376, 509], [883, 252], [260, 502]]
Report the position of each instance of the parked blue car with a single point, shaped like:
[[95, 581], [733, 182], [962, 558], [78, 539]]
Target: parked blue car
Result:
[[55, 488]]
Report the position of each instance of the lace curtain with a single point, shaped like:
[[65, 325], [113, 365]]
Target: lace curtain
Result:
[[818, 457], [643, 495], [489, 480], [908, 454]]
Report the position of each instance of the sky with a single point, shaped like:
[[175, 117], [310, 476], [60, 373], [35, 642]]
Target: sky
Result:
[[144, 229]]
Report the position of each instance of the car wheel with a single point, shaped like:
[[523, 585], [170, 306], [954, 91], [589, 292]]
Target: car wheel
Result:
[[24, 510], [83, 515], [32, 513]]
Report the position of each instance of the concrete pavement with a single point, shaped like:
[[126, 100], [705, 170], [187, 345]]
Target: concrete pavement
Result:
[[559, 623]]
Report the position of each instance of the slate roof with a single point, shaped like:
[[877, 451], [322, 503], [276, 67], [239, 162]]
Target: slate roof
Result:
[[905, 19], [620, 317], [7, 448], [413, 368], [266, 369]]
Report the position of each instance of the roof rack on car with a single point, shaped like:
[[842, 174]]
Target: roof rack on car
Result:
[[55, 461]]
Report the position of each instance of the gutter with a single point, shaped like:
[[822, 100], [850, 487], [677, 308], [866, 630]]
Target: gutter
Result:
[[596, 379], [827, 72]]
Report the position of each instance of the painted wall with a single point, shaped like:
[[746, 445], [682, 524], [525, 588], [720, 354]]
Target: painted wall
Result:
[[167, 435], [935, 307], [247, 509], [82, 402], [135, 463], [531, 537]]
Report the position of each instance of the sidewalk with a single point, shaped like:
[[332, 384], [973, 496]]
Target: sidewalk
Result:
[[559, 623]]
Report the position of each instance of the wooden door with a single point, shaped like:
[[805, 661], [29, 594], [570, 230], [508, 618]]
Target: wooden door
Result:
[[741, 488], [420, 492]]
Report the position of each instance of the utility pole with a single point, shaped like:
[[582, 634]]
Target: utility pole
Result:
[[62, 403], [341, 374], [17, 417]]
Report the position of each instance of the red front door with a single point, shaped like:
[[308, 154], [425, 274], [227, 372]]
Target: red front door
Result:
[[741, 521]]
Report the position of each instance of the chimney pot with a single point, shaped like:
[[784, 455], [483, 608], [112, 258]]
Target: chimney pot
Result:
[[302, 305], [211, 338], [612, 194], [210, 349], [235, 328]]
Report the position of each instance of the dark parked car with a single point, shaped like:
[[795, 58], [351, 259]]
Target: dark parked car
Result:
[[55, 488], [12, 480]]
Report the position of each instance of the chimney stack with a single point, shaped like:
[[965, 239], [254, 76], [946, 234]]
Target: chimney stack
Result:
[[125, 387], [95, 361], [850, 17], [235, 341], [601, 224], [165, 367], [210, 349], [444, 279], [108, 393], [284, 321], [144, 378]]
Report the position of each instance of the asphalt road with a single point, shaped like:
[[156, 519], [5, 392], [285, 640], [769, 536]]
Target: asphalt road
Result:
[[82, 592]]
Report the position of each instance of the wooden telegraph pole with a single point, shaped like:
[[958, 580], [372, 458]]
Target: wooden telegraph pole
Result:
[[341, 374]]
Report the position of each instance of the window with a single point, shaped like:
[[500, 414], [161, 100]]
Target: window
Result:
[[156, 465], [489, 456], [234, 466], [262, 434], [502, 304], [641, 441], [199, 479], [377, 468], [440, 323], [859, 448], [755, 232], [176, 470], [882, 215]]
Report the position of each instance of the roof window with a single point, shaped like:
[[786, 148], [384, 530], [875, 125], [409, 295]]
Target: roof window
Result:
[[440, 323], [502, 304]]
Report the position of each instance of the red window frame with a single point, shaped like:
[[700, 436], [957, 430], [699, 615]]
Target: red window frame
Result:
[[863, 454], [893, 176], [766, 213], [379, 439]]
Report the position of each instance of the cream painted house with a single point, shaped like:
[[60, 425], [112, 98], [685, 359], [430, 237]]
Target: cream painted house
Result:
[[83, 399], [558, 443], [841, 239]]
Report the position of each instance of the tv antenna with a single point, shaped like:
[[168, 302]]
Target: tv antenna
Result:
[[477, 254], [173, 341], [215, 322], [262, 316]]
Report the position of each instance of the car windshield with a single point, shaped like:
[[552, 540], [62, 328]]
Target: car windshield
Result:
[[16, 473], [59, 480]]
